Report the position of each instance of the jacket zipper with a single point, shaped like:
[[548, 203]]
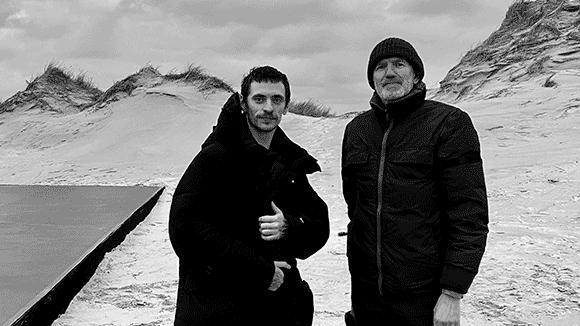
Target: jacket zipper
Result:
[[380, 204]]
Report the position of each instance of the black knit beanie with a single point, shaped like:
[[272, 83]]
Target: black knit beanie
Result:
[[394, 47]]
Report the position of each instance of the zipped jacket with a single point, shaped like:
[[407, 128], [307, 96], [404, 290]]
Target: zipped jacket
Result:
[[225, 267], [415, 191]]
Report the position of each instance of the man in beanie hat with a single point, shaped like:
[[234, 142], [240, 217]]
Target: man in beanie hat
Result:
[[244, 212], [415, 191]]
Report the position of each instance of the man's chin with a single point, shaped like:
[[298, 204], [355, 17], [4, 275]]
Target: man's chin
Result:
[[391, 95], [267, 127]]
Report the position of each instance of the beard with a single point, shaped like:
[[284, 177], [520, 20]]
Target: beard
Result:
[[263, 123], [389, 92]]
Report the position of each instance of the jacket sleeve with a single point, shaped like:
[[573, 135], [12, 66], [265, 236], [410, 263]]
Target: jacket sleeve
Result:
[[196, 236], [348, 181], [308, 223], [463, 190]]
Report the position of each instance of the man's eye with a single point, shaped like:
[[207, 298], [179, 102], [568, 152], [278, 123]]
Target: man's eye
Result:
[[277, 100], [259, 99]]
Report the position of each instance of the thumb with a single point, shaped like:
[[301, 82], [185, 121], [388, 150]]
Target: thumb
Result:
[[275, 208], [282, 264]]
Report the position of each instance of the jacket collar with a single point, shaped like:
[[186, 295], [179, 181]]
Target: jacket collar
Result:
[[402, 107]]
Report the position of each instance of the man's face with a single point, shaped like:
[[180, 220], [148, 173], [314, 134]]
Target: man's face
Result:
[[265, 105], [394, 78]]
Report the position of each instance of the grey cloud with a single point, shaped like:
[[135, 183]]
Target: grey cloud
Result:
[[460, 12], [438, 7], [6, 54], [94, 52], [8, 8], [294, 41], [38, 32], [303, 42], [267, 15], [241, 41], [97, 39], [214, 14], [4, 17]]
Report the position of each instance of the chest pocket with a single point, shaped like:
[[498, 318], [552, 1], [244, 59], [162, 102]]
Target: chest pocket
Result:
[[412, 164], [356, 160]]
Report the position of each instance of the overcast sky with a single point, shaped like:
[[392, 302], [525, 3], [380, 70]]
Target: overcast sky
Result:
[[323, 46]]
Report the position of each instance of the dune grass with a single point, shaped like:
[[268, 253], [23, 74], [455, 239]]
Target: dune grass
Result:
[[519, 13], [58, 83], [56, 75], [526, 24], [149, 74], [549, 82], [196, 74], [126, 85], [309, 108], [537, 67]]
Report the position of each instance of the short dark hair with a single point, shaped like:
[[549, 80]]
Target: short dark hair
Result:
[[262, 74]]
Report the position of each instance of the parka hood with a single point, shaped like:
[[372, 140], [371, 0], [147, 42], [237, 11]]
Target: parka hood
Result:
[[232, 131]]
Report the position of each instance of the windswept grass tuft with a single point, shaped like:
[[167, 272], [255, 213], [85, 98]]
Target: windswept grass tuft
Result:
[[309, 108], [129, 84], [478, 55], [196, 74], [55, 75], [521, 14], [191, 73], [549, 82], [77, 92], [150, 76], [57, 89], [537, 66], [126, 86]]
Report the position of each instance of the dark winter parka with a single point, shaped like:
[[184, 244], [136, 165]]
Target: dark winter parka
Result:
[[415, 191], [225, 267]]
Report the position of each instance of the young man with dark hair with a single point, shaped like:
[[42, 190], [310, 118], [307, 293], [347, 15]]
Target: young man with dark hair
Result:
[[243, 212]]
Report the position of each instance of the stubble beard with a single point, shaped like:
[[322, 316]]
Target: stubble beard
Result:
[[262, 128]]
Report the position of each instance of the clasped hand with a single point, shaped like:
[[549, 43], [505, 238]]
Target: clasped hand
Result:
[[273, 227], [278, 277]]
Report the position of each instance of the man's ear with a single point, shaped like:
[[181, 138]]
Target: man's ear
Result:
[[416, 79], [286, 109], [242, 104]]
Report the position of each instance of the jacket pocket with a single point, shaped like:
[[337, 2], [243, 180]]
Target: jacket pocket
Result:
[[360, 178], [355, 160], [412, 164]]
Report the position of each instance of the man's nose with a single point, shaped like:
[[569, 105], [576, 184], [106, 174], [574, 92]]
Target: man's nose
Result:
[[390, 71], [268, 106]]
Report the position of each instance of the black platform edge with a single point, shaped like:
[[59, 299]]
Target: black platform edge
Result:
[[54, 300]]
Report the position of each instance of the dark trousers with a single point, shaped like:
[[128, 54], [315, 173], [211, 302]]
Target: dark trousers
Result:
[[370, 308], [291, 305]]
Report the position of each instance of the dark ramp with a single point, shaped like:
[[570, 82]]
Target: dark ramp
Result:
[[52, 238]]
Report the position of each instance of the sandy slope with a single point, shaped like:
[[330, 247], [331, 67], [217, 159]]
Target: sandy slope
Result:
[[530, 274]]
